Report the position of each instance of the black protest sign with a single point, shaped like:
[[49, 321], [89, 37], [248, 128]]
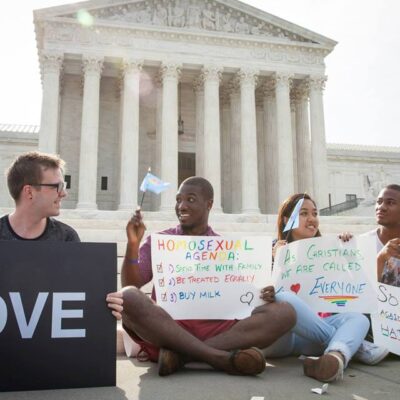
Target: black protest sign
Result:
[[55, 328]]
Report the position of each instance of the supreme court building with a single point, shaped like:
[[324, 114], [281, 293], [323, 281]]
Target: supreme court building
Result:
[[218, 89], [211, 88]]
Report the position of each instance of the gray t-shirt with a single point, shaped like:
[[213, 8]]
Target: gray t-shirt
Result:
[[55, 230]]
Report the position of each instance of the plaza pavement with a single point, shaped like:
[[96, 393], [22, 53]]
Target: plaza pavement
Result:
[[282, 379]]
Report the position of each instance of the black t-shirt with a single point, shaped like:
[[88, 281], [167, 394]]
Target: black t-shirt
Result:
[[55, 230]]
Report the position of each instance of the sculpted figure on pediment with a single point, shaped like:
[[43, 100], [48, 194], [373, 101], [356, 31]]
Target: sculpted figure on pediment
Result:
[[209, 18], [144, 16], [160, 16], [225, 22], [193, 14], [242, 26], [176, 15]]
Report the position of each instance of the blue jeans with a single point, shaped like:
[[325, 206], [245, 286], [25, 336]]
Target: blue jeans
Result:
[[313, 336]]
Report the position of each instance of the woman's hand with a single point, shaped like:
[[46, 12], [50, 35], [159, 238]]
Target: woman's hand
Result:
[[278, 243], [268, 294], [115, 301], [345, 236]]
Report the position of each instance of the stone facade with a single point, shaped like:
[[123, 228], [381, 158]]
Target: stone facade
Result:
[[120, 77], [353, 169]]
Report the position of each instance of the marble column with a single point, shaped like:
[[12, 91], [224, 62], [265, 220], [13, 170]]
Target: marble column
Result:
[[285, 186], [260, 152], [129, 158], [156, 200], [248, 130], [226, 165], [236, 171], [198, 88], [212, 137], [271, 148], [92, 68], [294, 138], [51, 69], [304, 165], [169, 134], [318, 143]]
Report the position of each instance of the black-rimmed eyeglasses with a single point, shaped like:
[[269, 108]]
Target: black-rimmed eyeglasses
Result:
[[60, 186]]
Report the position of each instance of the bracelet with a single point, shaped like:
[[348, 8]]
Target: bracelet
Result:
[[133, 261]]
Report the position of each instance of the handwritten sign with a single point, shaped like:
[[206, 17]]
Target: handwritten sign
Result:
[[386, 322], [210, 277], [328, 274]]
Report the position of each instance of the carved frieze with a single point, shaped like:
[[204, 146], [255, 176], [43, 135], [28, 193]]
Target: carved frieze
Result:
[[193, 14]]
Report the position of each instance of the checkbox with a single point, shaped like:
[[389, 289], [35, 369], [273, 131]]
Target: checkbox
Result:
[[159, 268], [161, 282]]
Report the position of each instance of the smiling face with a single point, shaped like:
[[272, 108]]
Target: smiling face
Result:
[[387, 208], [46, 200], [192, 209], [308, 222]]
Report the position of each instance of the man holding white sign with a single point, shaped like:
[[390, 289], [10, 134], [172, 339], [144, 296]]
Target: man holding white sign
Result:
[[387, 235], [224, 344]]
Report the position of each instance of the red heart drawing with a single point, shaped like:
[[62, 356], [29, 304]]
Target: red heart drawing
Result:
[[295, 288]]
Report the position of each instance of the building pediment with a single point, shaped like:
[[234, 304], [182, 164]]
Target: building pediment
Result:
[[224, 17]]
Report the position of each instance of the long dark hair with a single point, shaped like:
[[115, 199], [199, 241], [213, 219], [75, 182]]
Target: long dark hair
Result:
[[285, 211]]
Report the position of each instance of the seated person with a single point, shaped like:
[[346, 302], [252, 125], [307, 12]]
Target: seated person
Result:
[[228, 345], [334, 339], [36, 183]]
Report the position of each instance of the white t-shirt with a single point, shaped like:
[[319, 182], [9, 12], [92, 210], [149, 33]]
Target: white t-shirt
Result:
[[374, 233]]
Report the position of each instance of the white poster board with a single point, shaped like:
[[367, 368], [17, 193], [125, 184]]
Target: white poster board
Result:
[[210, 277], [328, 274], [386, 322]]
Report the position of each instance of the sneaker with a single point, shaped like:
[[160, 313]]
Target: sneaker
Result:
[[370, 353], [327, 368]]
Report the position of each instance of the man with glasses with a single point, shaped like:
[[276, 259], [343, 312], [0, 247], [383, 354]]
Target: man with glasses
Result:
[[36, 183]]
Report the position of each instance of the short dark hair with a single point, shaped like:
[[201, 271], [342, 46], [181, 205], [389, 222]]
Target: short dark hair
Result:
[[206, 187], [285, 210], [27, 170], [393, 186]]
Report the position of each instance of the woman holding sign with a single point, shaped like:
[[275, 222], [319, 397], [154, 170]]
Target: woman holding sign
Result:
[[334, 340]]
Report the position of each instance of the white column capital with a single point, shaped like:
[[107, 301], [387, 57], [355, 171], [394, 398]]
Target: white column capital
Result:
[[198, 84], [211, 73], [283, 79], [247, 76], [92, 65], [234, 86], [170, 70], [317, 82], [51, 62], [301, 91], [268, 88], [132, 66], [224, 95]]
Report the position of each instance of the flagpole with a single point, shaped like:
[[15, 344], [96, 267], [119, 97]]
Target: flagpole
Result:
[[141, 201]]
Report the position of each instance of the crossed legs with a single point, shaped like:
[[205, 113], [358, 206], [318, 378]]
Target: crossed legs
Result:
[[153, 324]]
